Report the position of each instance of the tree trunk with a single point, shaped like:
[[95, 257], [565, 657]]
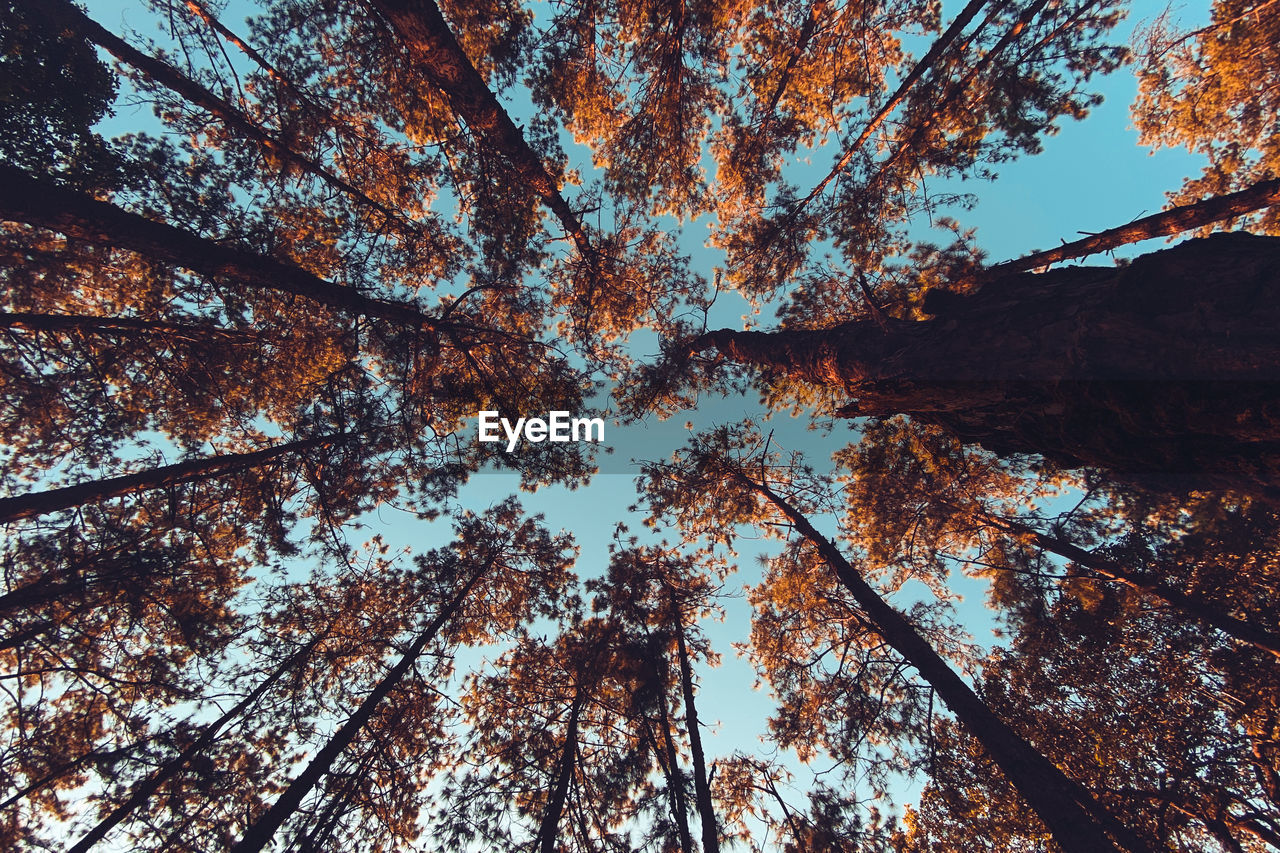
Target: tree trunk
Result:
[[259, 835], [45, 205], [122, 326], [1078, 823], [236, 121], [145, 789], [419, 24], [701, 787], [1237, 629], [59, 584], [1166, 223], [41, 503], [926, 63], [546, 841], [679, 804], [212, 22], [1163, 372]]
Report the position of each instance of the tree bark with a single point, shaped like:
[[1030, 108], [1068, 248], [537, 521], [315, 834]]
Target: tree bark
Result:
[[145, 789], [1078, 822], [45, 205], [41, 503], [1165, 371], [701, 786], [259, 834], [679, 804]]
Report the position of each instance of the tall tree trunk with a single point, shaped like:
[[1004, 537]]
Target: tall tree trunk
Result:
[[666, 750], [144, 790], [126, 326], [101, 757], [679, 803], [701, 786], [66, 497], [1077, 821], [1237, 629], [419, 24], [57, 585], [1175, 220], [259, 835], [236, 121], [1163, 372], [550, 823], [46, 205], [926, 63], [211, 21]]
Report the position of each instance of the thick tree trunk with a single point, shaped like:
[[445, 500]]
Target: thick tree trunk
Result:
[[145, 789], [259, 835], [1078, 823], [701, 786], [1237, 629], [40, 503], [1165, 371], [550, 823], [45, 205]]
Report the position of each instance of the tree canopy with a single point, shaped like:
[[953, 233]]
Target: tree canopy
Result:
[[265, 264]]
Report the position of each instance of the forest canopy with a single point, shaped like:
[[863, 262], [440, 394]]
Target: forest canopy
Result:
[[265, 265]]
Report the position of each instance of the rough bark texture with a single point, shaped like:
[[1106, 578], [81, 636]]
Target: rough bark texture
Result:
[[1078, 822], [1167, 369]]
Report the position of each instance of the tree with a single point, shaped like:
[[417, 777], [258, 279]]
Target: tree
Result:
[[264, 320], [481, 553], [1213, 90], [1119, 369], [54, 104], [1188, 777], [718, 468], [659, 593]]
